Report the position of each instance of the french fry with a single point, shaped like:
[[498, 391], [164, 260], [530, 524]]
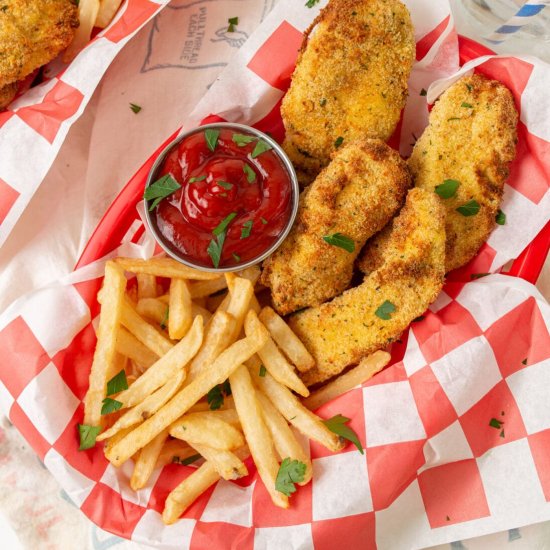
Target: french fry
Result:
[[129, 346], [239, 304], [285, 441], [87, 14], [165, 267], [290, 407], [226, 463], [207, 429], [191, 488], [115, 439], [175, 450], [251, 273], [196, 310], [256, 432], [364, 371], [104, 356], [275, 362], [153, 309], [231, 278], [213, 302], [205, 288], [143, 331], [180, 316], [287, 341], [218, 337], [146, 285], [107, 11], [151, 404], [220, 370], [167, 366], [146, 461]]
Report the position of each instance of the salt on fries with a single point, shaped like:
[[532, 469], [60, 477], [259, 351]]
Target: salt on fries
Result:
[[193, 376]]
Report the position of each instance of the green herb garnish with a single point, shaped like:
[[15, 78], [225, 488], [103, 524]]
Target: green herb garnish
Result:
[[160, 189], [469, 86], [447, 189], [423, 92], [87, 435], [385, 310], [338, 142], [467, 105], [262, 372], [311, 3], [471, 208], [261, 147], [323, 102], [232, 22], [236, 257], [110, 405], [501, 217], [249, 173], [211, 136], [478, 275], [216, 395], [337, 425], [117, 383], [242, 139], [222, 226], [290, 472], [341, 241], [247, 228], [263, 220], [225, 184], [185, 461], [164, 321], [215, 248], [197, 178], [135, 108], [497, 424], [524, 362]]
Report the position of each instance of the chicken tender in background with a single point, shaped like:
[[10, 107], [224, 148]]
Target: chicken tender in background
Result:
[[341, 332], [350, 80], [32, 33], [356, 195], [471, 138], [7, 93]]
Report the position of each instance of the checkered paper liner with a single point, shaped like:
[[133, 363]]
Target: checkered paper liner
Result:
[[34, 127], [434, 469]]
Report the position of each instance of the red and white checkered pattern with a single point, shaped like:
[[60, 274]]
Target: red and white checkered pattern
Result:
[[35, 125], [434, 470]]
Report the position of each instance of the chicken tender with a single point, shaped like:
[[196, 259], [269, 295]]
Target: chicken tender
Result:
[[355, 196], [7, 93], [350, 80], [32, 33], [370, 316], [471, 138]]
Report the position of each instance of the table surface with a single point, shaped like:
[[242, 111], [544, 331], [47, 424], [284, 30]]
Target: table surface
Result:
[[49, 520]]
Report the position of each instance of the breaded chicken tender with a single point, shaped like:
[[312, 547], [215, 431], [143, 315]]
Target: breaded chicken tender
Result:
[[375, 313], [32, 33], [7, 93], [355, 196], [471, 138], [350, 80]]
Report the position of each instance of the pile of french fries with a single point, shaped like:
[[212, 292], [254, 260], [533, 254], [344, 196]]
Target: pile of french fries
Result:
[[189, 366], [91, 13]]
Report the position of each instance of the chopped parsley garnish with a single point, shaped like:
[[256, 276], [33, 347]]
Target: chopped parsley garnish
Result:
[[385, 310], [164, 321], [160, 189], [215, 248], [469, 86], [236, 257], [110, 405], [447, 189], [501, 217], [311, 3], [197, 178], [117, 383], [341, 241], [338, 142], [262, 372], [471, 208], [467, 105], [423, 92], [478, 275], [216, 394], [337, 425], [242, 139], [185, 461], [524, 362], [323, 102], [263, 220], [225, 184], [249, 173], [135, 108], [290, 472], [453, 118], [87, 435], [232, 22], [261, 147], [418, 319], [502, 432], [211, 136], [495, 423], [222, 226], [247, 228]]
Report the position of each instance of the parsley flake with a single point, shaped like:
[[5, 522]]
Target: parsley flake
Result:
[[185, 461], [497, 424], [501, 217], [215, 248], [423, 92], [323, 102], [341, 241], [87, 435], [262, 372], [117, 383], [385, 310], [263, 220], [467, 105], [135, 108], [469, 86], [337, 425], [222, 226], [478, 275], [197, 178], [338, 142], [211, 136], [290, 472], [225, 184], [247, 228], [447, 189], [249, 173], [160, 189], [524, 362], [311, 3], [242, 139], [471, 208], [164, 321], [110, 405], [216, 395], [232, 22], [236, 257], [261, 147]]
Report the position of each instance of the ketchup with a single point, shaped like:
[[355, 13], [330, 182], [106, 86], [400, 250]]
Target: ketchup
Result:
[[234, 202]]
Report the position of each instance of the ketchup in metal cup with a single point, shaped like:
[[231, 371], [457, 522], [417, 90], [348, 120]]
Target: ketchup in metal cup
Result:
[[235, 198]]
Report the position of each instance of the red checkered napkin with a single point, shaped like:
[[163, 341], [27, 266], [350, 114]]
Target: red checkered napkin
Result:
[[34, 127]]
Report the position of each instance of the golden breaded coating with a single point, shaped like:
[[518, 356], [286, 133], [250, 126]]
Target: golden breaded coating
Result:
[[32, 33], [471, 138], [356, 195], [7, 93], [350, 80], [342, 332]]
